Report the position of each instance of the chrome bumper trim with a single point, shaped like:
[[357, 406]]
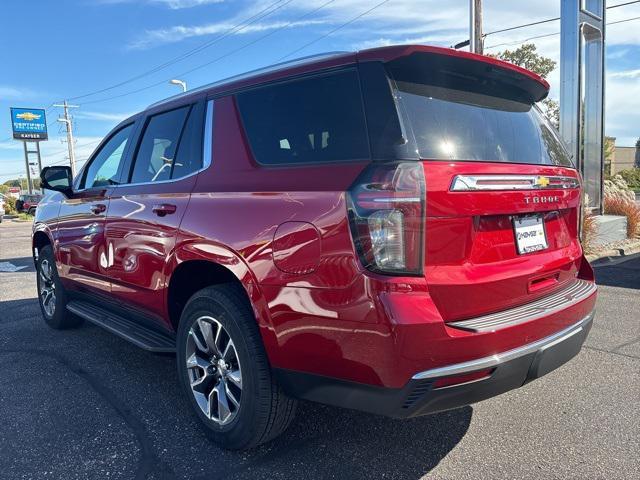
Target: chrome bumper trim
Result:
[[568, 296], [498, 358]]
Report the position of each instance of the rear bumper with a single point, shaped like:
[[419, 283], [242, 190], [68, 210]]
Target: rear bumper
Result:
[[509, 369]]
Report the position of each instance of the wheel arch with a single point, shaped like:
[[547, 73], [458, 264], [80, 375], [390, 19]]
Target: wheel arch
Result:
[[193, 267], [40, 239]]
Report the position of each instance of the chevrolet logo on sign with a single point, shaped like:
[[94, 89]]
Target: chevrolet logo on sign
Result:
[[28, 116], [542, 182], [29, 124]]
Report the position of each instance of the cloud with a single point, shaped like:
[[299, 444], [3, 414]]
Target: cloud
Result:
[[11, 145], [154, 38], [178, 4], [626, 74], [8, 92], [623, 92], [103, 116], [172, 4]]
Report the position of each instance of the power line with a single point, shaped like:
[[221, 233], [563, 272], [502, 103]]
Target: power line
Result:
[[517, 42], [233, 30], [232, 52], [623, 4], [322, 37], [554, 19], [522, 26]]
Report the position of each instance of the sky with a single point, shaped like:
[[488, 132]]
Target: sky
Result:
[[115, 57]]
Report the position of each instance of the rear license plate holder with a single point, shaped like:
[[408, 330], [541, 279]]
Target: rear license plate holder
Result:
[[530, 234]]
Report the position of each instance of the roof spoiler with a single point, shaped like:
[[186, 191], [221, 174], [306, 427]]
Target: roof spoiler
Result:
[[461, 70]]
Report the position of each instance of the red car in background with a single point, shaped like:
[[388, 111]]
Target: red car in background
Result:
[[28, 203], [394, 230]]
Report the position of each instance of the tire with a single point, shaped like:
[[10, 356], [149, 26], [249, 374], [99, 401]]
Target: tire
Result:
[[32, 212], [258, 410], [52, 297]]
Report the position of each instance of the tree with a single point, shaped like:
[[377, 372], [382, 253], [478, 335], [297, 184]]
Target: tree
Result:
[[12, 183], [527, 57]]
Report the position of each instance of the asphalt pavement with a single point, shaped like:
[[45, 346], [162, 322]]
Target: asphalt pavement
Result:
[[84, 404]]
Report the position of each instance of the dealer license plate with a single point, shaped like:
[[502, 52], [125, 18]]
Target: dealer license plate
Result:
[[530, 234]]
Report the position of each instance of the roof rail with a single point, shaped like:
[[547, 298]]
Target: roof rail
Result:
[[251, 73]]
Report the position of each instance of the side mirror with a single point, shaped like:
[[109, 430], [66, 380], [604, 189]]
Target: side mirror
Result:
[[57, 178]]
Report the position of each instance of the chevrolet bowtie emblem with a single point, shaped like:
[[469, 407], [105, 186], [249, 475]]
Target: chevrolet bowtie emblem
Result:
[[28, 116], [542, 181]]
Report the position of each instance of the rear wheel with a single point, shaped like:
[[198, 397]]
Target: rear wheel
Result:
[[224, 370], [51, 294], [32, 211]]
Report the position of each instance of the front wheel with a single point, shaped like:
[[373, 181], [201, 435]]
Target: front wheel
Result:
[[224, 370], [51, 294]]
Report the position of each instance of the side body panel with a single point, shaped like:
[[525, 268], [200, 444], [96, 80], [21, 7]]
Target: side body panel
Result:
[[139, 239], [80, 241]]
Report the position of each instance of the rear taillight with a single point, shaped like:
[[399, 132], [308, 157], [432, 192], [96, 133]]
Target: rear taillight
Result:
[[386, 216]]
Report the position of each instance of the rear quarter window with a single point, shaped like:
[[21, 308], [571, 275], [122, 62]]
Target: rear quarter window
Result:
[[318, 119]]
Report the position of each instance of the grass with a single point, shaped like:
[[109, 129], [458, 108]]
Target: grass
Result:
[[25, 216], [589, 232]]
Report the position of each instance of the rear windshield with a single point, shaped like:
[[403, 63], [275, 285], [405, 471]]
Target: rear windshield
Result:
[[452, 124], [461, 109]]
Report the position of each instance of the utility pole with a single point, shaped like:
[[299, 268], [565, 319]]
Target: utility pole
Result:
[[67, 121], [475, 26], [26, 164]]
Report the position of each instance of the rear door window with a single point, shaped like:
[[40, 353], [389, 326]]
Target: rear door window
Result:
[[311, 120], [156, 155]]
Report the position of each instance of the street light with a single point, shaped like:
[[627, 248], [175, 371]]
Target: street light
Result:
[[179, 82]]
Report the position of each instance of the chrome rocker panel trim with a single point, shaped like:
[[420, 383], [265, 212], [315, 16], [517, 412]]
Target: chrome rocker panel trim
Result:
[[499, 358]]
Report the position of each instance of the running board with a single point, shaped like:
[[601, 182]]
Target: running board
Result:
[[140, 335]]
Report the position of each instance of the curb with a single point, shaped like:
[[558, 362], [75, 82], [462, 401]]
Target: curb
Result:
[[615, 252]]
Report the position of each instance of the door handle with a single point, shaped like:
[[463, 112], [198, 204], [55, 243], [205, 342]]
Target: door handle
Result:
[[98, 208], [163, 209]]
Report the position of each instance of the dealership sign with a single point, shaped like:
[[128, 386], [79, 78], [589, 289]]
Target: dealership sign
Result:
[[28, 124]]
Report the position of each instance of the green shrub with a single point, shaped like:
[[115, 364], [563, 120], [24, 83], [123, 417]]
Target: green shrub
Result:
[[632, 177], [10, 205]]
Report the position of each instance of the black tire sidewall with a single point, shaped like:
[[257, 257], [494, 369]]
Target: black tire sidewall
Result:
[[60, 319], [249, 422]]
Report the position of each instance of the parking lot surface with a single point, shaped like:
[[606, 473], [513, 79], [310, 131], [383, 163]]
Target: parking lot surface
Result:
[[84, 404]]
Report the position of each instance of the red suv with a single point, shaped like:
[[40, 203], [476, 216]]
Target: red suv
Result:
[[28, 203], [394, 230]]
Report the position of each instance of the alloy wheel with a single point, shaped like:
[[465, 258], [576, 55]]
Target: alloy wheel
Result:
[[47, 288], [214, 371]]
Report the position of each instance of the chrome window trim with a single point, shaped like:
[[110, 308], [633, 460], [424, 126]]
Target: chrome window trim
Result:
[[208, 136], [499, 358], [467, 183]]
